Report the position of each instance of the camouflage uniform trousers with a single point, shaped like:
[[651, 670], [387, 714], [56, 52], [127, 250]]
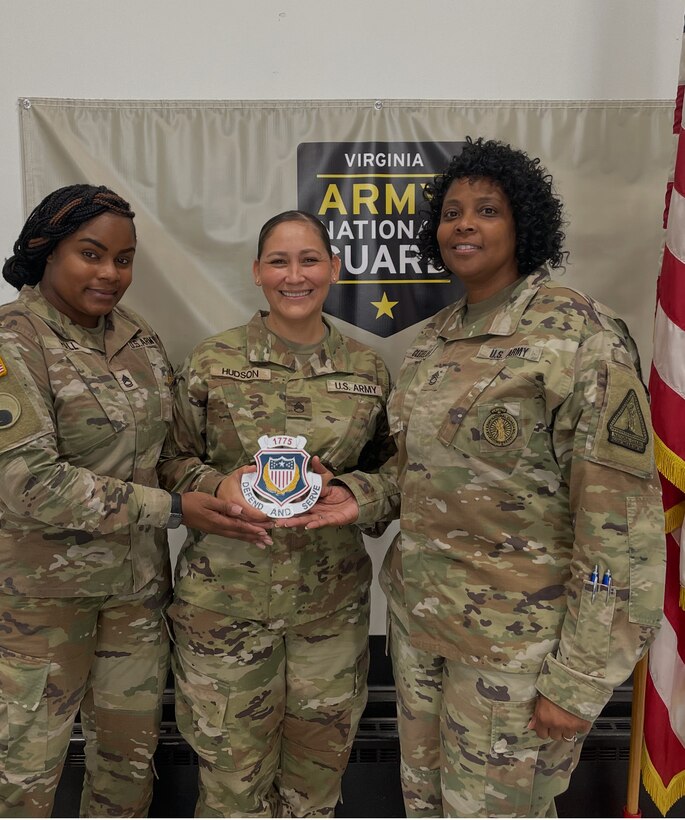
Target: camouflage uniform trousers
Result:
[[108, 656], [270, 709], [466, 751]]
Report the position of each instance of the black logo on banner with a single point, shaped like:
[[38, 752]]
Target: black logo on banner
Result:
[[368, 195]]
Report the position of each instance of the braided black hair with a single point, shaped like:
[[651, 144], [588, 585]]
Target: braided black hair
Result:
[[60, 214], [536, 208]]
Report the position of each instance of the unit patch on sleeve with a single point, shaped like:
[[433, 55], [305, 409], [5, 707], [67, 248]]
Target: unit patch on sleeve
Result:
[[622, 437], [627, 426], [3, 369], [10, 410]]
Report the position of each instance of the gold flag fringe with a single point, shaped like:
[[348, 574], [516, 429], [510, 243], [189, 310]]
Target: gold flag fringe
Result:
[[663, 796], [669, 464], [673, 518]]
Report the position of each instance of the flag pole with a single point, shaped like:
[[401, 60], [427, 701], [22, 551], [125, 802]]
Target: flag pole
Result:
[[632, 807]]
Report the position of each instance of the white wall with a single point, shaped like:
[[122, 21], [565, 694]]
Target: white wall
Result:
[[325, 49]]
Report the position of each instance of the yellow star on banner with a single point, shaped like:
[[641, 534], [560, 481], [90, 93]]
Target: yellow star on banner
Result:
[[384, 307]]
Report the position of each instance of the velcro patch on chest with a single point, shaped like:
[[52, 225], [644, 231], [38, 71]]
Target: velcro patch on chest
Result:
[[298, 407], [250, 374], [531, 354], [500, 428], [142, 341], [419, 353], [357, 388], [125, 379]]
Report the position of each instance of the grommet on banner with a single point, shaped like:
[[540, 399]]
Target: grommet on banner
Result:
[[378, 105], [26, 103]]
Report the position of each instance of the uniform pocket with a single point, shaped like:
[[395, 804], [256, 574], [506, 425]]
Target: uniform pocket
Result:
[[646, 541], [589, 650], [234, 729], [23, 713], [511, 761], [492, 421], [360, 419], [160, 369]]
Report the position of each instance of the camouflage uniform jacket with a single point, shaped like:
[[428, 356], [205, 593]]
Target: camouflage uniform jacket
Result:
[[243, 384], [83, 417], [525, 459]]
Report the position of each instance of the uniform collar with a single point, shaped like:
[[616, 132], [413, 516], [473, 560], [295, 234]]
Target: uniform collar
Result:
[[505, 321], [264, 346], [118, 328]]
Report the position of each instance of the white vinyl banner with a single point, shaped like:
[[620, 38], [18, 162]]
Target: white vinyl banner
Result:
[[203, 176]]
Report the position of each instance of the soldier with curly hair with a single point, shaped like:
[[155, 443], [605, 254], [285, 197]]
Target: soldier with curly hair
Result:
[[527, 578]]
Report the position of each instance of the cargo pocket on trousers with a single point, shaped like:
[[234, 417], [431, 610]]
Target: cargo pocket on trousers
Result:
[[201, 709], [23, 713], [513, 754]]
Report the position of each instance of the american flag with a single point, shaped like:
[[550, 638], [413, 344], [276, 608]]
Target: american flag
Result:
[[663, 760]]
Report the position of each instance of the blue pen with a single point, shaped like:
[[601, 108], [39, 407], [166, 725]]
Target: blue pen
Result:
[[594, 580], [606, 582]]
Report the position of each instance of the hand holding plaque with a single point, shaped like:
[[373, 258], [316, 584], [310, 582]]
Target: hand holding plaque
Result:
[[282, 486]]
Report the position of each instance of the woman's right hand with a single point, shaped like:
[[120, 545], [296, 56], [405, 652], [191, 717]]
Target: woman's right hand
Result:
[[220, 516], [335, 507]]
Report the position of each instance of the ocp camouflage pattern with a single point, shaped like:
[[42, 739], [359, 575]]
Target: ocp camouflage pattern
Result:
[[84, 421], [246, 383], [525, 459]]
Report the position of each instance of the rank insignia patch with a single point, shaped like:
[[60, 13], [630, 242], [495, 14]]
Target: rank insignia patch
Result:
[[3, 368], [627, 426], [500, 428]]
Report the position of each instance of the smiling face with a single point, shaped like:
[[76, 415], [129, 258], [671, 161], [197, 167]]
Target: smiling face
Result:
[[89, 271], [295, 272], [477, 237]]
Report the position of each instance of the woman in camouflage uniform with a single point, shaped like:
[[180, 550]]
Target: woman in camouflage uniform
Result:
[[271, 648], [84, 570], [527, 578]]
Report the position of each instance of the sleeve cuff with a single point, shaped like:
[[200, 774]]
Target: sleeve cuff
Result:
[[377, 497], [154, 506], [209, 482], [579, 694]]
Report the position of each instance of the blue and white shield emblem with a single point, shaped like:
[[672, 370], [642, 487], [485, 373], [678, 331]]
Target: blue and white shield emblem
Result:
[[281, 487]]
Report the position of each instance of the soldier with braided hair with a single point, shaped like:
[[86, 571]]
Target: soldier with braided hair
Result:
[[84, 569]]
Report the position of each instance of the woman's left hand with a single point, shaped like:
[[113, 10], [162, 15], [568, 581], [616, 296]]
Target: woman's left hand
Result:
[[550, 721]]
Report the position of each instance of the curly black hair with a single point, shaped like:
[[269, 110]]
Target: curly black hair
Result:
[[536, 209], [60, 214]]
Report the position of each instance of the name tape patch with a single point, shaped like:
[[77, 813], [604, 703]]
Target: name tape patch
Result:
[[142, 341], [532, 354], [419, 353], [251, 374], [358, 388]]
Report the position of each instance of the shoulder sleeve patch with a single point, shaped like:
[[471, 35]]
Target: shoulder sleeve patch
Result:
[[624, 437], [19, 420]]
